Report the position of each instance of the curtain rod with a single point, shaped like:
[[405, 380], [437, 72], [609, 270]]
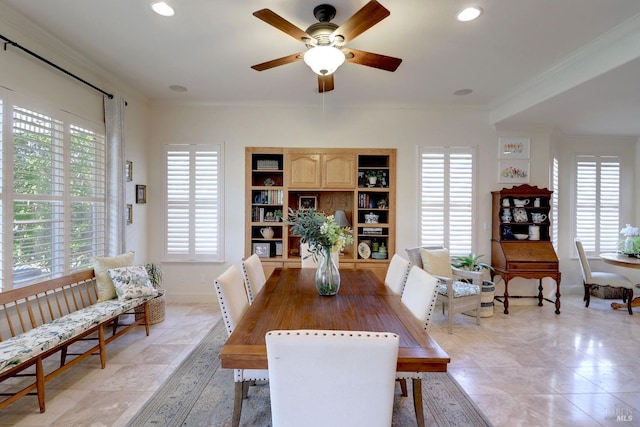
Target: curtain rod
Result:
[[57, 67]]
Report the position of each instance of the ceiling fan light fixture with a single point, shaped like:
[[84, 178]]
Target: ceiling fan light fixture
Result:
[[324, 60], [162, 8], [469, 14]]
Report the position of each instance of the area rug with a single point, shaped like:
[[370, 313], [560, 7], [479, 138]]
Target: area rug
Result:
[[200, 393]]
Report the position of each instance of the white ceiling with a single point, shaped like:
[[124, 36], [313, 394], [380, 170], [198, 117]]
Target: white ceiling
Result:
[[570, 65]]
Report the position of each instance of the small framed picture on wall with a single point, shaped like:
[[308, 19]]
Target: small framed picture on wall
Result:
[[128, 171], [141, 193], [514, 147], [514, 172]]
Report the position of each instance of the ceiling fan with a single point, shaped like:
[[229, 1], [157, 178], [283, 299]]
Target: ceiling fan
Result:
[[325, 41]]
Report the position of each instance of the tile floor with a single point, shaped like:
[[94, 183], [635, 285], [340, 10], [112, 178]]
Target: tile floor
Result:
[[528, 368]]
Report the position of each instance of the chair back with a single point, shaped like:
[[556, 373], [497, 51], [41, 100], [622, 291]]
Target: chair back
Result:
[[231, 297], [309, 262], [584, 263], [331, 378], [420, 294], [414, 254], [254, 278], [397, 274]]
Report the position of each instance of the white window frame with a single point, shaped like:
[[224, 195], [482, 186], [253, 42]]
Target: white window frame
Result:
[[59, 259], [555, 201], [198, 199], [603, 235], [449, 203]]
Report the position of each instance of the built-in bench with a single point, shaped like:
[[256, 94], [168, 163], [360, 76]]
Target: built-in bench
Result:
[[40, 320]]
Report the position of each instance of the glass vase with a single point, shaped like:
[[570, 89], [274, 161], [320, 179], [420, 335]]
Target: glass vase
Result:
[[628, 245], [327, 276]]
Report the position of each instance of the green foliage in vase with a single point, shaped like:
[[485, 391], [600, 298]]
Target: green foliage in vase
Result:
[[318, 230]]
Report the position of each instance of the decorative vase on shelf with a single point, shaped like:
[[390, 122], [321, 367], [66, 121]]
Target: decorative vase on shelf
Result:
[[327, 276]]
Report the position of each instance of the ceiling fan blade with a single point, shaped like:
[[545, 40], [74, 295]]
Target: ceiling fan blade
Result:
[[277, 62], [369, 59], [325, 83], [282, 24], [370, 14]]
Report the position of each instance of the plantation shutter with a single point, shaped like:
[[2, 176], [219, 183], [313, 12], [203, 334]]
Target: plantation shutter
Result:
[[598, 203], [446, 198], [194, 202], [58, 199]]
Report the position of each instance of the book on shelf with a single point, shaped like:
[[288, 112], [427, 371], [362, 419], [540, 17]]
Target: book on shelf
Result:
[[266, 164], [268, 197], [371, 230]]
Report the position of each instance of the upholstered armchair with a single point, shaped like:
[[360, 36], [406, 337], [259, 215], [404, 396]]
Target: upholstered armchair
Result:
[[459, 291]]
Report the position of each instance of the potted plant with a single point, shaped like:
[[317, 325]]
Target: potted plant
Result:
[[373, 176], [155, 275], [470, 262], [156, 306]]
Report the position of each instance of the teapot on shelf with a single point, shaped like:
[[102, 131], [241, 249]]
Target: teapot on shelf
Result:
[[267, 232]]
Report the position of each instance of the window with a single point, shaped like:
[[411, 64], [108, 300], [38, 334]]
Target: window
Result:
[[597, 203], [52, 192], [194, 203], [447, 198]]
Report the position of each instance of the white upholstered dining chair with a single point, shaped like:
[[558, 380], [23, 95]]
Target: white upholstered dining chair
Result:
[[254, 277], [397, 273], [331, 378], [419, 296], [459, 291], [233, 304], [594, 279]]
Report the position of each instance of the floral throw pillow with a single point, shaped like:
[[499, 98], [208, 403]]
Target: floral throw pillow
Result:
[[131, 282]]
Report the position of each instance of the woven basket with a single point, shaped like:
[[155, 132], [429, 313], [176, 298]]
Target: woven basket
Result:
[[155, 308]]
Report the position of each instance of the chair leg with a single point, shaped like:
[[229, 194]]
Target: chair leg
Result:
[[237, 404], [629, 294], [587, 294], [417, 401], [403, 387]]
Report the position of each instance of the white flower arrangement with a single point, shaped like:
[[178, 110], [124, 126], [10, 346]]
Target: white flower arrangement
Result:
[[629, 231]]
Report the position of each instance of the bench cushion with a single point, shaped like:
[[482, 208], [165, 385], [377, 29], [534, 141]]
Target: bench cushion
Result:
[[18, 349]]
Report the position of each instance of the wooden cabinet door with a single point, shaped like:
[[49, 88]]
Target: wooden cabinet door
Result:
[[304, 170], [339, 170]]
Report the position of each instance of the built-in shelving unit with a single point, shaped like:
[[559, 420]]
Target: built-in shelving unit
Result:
[[330, 180]]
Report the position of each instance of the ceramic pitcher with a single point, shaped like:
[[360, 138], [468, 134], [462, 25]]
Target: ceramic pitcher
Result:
[[267, 232]]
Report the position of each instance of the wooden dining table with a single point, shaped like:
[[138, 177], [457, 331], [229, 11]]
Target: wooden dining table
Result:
[[289, 300], [622, 260]]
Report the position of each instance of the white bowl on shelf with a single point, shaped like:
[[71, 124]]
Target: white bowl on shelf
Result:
[[521, 236]]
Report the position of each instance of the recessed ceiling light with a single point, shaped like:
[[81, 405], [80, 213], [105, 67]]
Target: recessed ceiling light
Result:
[[178, 88], [162, 8], [469, 14], [463, 92]]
